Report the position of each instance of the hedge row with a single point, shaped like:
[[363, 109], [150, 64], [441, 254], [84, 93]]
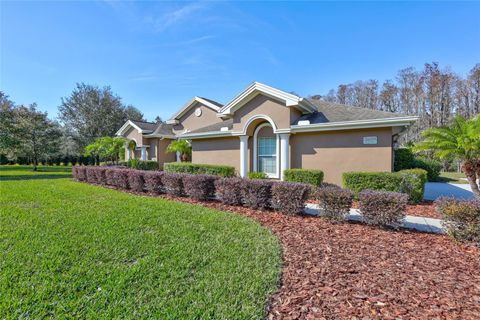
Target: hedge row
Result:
[[285, 197], [142, 164], [405, 159], [411, 182], [312, 177], [191, 168]]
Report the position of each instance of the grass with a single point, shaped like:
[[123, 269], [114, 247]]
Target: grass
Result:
[[452, 177], [72, 250]]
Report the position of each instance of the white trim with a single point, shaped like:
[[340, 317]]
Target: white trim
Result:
[[127, 124], [188, 105], [255, 150], [201, 135], [243, 156], [257, 88], [285, 153], [356, 124]]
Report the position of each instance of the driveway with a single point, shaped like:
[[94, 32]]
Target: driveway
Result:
[[434, 190]]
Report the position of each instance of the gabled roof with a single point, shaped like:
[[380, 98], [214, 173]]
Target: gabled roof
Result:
[[259, 88], [215, 106], [141, 126], [162, 130]]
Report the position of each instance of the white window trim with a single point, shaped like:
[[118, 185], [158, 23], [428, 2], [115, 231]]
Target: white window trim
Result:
[[255, 151]]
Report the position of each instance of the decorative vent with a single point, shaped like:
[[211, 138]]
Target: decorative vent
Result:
[[303, 122], [224, 129], [370, 140]]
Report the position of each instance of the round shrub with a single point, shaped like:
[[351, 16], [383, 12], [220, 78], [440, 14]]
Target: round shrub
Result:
[[199, 186], [334, 202], [136, 180], [383, 208], [289, 197], [257, 194], [173, 183], [154, 182]]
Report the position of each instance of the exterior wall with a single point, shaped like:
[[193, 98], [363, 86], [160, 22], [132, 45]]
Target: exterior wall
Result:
[[261, 104], [189, 121], [218, 151], [335, 152], [162, 155]]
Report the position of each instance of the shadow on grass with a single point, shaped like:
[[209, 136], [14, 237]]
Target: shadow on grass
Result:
[[34, 177], [40, 168]]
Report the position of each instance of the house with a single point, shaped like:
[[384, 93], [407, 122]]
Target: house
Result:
[[270, 130]]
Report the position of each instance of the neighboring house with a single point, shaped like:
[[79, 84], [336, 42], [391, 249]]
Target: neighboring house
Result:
[[269, 130]]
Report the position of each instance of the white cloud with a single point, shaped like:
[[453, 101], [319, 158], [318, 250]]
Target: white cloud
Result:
[[169, 19]]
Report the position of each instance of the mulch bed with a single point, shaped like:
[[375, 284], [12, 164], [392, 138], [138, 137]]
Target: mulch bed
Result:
[[354, 271]]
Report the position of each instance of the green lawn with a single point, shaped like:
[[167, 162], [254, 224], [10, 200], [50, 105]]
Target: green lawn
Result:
[[72, 250], [452, 177]]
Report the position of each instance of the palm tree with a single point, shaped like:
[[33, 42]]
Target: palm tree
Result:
[[183, 147], [460, 139]]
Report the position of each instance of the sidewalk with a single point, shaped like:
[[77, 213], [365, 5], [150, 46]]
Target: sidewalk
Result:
[[422, 224]]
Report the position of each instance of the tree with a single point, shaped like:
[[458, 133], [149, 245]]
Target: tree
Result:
[[106, 148], [38, 135], [183, 147], [460, 139], [8, 137], [91, 112]]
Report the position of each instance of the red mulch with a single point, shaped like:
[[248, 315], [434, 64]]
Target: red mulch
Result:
[[354, 271]]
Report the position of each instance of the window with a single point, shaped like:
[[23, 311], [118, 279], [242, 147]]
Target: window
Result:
[[267, 155]]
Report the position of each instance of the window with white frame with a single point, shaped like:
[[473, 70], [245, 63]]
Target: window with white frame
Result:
[[267, 155]]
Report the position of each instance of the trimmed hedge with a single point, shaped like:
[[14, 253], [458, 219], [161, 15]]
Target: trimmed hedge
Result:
[[191, 168], [136, 180], [334, 202], [257, 194], [120, 178], [383, 208], [154, 181], [110, 176], [142, 164], [173, 183], [228, 190], [257, 175], [289, 197], [312, 177], [461, 218], [199, 186], [411, 182], [405, 159], [101, 175]]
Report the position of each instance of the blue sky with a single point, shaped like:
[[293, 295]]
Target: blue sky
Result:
[[157, 55]]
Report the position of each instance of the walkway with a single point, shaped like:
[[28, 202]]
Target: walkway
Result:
[[422, 224], [434, 190]]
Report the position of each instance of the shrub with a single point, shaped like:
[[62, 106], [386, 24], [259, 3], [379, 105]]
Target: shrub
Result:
[[461, 218], [257, 175], [136, 180], [359, 181], [199, 186], [327, 184], [91, 174], [289, 197], [142, 164], [335, 202], [257, 194], [173, 183], [405, 159], [187, 167], [100, 173], [154, 182], [110, 176], [383, 208], [413, 183], [433, 167], [312, 177], [228, 190], [120, 178]]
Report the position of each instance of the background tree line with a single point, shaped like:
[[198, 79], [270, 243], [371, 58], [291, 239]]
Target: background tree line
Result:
[[28, 136], [434, 94]]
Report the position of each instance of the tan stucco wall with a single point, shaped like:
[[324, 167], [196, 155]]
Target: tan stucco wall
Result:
[[335, 152], [162, 155], [191, 122], [261, 104], [218, 151]]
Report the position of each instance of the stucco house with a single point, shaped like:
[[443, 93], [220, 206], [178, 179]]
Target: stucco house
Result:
[[270, 130]]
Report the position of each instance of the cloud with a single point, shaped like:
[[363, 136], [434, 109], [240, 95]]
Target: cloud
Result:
[[169, 19]]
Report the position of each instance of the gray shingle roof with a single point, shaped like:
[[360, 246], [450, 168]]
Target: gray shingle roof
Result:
[[164, 129], [335, 112], [215, 127], [146, 126]]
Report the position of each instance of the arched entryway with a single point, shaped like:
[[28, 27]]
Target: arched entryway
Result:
[[266, 150]]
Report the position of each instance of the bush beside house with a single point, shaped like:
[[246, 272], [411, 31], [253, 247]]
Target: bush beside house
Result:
[[191, 168], [405, 159], [312, 177], [383, 208]]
